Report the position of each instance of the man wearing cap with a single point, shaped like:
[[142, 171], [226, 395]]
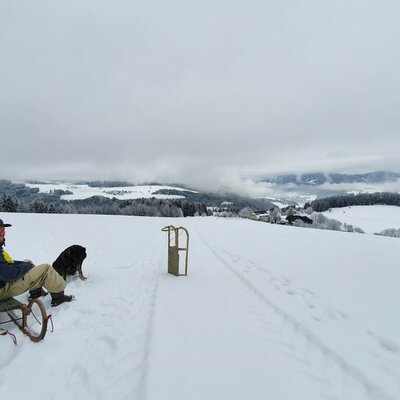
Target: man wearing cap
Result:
[[17, 277]]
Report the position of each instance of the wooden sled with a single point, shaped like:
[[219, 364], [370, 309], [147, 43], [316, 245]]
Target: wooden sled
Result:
[[32, 321]]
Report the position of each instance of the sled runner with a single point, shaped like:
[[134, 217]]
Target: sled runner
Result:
[[32, 321]]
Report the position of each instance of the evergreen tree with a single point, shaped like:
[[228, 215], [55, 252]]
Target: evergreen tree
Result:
[[38, 207], [8, 204]]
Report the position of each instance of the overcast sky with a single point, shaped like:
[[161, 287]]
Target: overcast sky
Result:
[[202, 92]]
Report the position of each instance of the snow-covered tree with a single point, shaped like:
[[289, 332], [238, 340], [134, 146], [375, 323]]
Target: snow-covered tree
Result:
[[38, 206], [245, 212], [275, 215], [290, 211], [348, 227], [8, 204], [391, 232]]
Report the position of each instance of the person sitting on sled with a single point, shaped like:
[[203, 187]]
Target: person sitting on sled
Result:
[[17, 277]]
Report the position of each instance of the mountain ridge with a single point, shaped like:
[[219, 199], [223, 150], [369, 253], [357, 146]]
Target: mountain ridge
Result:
[[320, 178]]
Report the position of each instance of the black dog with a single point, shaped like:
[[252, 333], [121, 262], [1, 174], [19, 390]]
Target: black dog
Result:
[[69, 262]]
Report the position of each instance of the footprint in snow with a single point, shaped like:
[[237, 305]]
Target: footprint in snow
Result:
[[124, 267], [389, 346], [109, 342], [343, 314], [385, 343], [316, 317], [333, 315]]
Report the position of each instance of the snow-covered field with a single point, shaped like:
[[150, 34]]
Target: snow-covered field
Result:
[[266, 311], [82, 191], [371, 219]]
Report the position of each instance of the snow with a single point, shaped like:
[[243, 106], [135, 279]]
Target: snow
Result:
[[371, 219], [266, 311], [83, 191]]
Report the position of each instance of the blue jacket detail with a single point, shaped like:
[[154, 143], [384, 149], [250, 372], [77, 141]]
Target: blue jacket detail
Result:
[[10, 272]]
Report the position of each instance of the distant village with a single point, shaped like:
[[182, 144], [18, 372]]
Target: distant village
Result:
[[274, 215]]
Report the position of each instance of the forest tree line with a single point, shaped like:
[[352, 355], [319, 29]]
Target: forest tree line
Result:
[[361, 199], [102, 205]]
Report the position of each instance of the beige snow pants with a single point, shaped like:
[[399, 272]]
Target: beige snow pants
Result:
[[43, 275]]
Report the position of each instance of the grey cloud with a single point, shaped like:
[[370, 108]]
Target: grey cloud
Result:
[[199, 92]]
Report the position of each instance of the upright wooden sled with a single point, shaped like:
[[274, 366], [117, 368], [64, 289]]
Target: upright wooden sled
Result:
[[174, 249], [32, 321]]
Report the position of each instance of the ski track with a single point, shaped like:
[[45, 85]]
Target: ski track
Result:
[[298, 340], [387, 360]]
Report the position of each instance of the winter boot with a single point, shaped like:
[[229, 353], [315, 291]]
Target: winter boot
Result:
[[36, 293], [59, 298]]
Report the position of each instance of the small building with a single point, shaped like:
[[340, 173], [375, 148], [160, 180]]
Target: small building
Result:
[[261, 216]]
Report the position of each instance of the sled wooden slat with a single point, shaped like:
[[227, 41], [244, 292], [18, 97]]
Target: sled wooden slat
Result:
[[9, 304]]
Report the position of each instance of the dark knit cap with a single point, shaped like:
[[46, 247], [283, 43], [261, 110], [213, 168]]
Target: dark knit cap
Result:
[[3, 224]]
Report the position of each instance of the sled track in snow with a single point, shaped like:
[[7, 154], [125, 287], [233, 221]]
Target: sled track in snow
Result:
[[372, 391], [128, 346], [143, 364]]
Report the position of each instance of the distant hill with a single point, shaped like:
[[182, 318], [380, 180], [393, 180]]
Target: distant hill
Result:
[[94, 198], [319, 178]]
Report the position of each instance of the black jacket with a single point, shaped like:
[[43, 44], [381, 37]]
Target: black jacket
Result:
[[11, 270]]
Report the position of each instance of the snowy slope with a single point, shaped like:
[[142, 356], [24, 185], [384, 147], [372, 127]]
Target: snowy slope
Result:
[[371, 219], [266, 312]]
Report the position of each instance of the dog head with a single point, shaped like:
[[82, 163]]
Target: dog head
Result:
[[75, 254]]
